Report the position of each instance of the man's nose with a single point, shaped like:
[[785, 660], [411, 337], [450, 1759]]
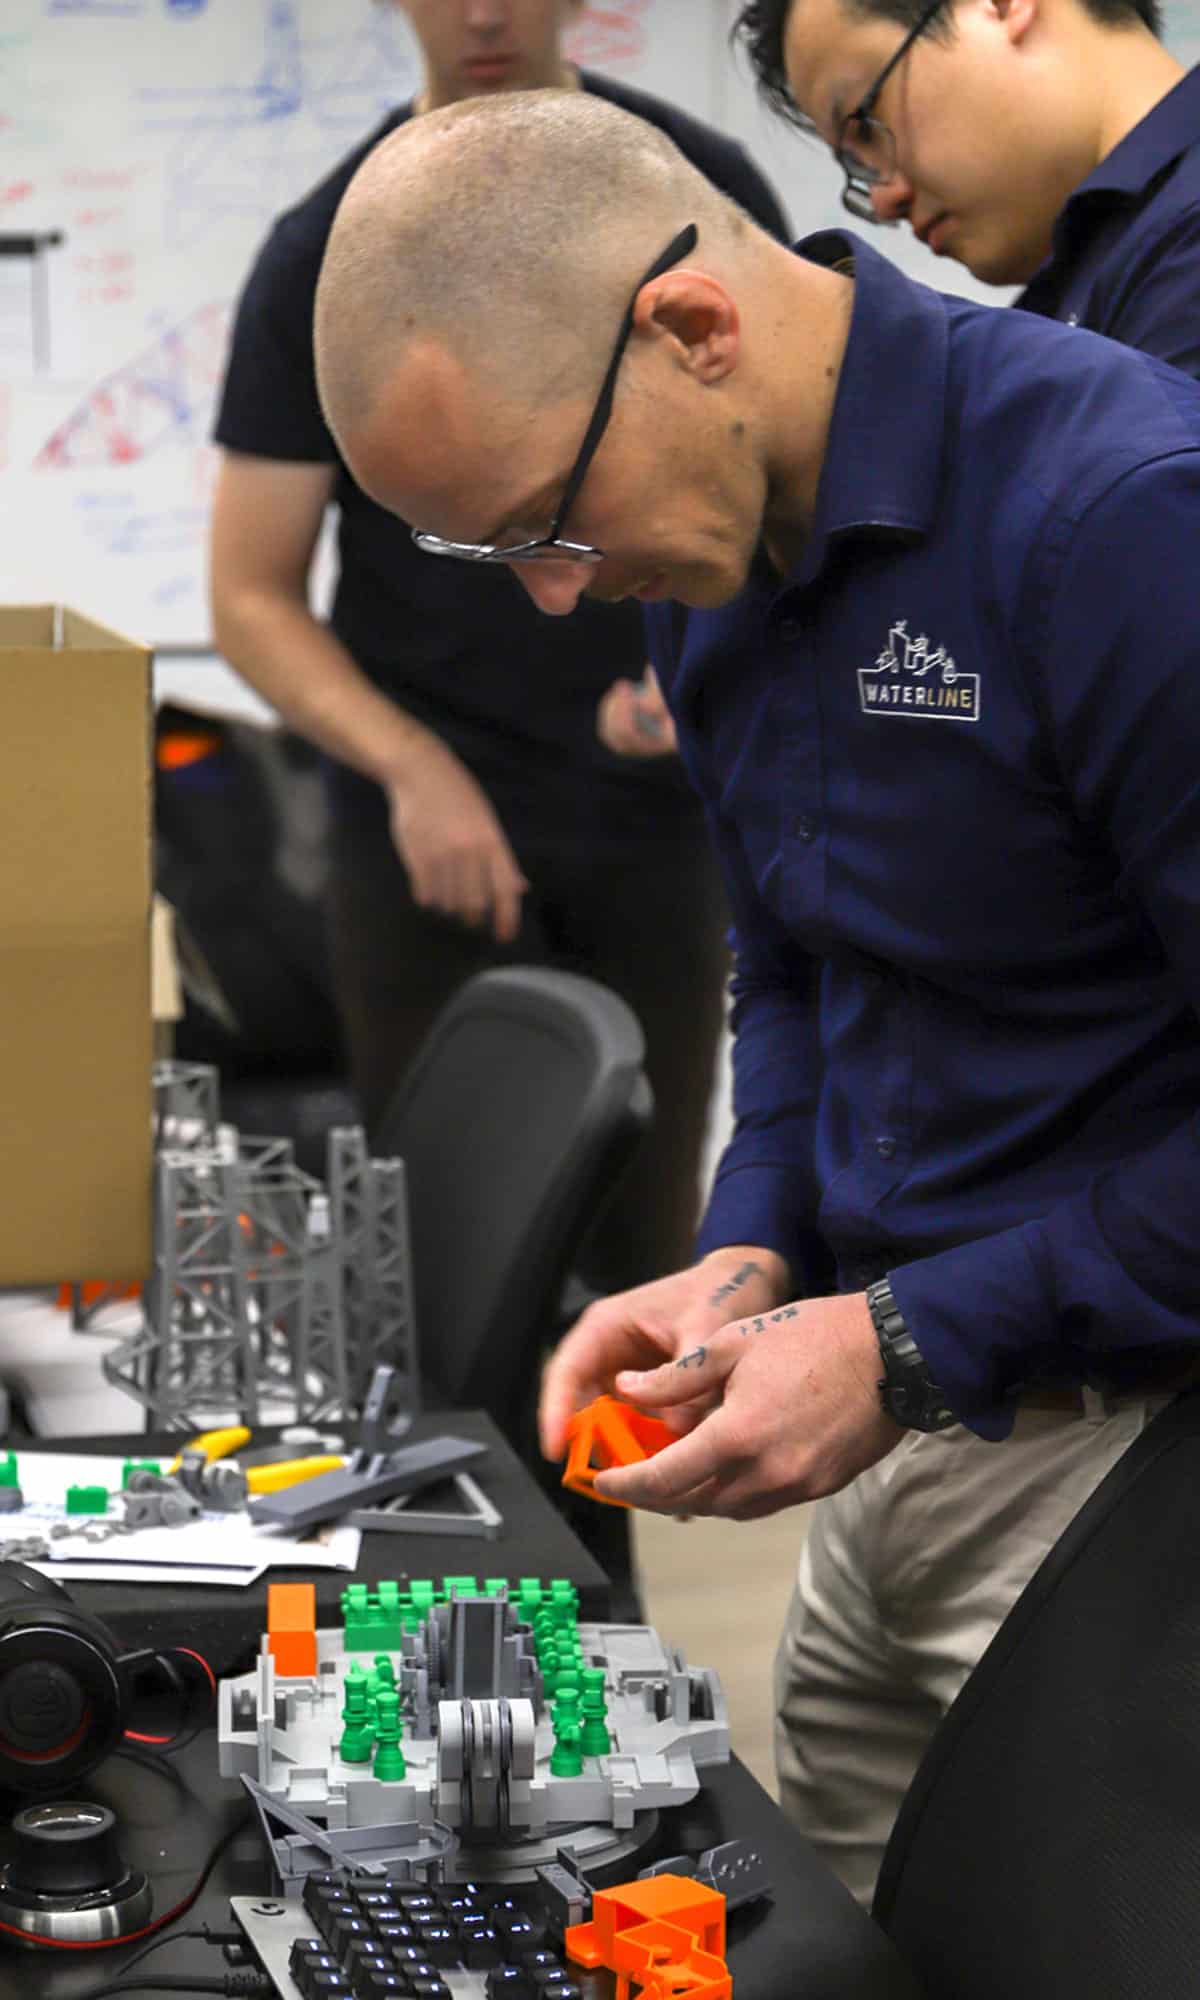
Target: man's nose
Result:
[[486, 16], [892, 199], [555, 587]]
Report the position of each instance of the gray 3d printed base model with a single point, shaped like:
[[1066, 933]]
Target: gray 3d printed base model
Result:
[[482, 1748]]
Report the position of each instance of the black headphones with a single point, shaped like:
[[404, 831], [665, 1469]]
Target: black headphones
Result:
[[64, 1686]]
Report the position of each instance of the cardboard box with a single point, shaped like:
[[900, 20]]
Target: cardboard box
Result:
[[75, 891]]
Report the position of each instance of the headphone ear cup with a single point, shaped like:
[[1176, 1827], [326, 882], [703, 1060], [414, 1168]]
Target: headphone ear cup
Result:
[[63, 1691]]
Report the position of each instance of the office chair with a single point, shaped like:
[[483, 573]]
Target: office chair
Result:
[[514, 1120], [1049, 1846]]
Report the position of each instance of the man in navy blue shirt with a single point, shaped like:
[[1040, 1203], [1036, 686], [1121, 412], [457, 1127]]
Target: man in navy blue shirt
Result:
[[1054, 143], [1049, 143], [937, 693]]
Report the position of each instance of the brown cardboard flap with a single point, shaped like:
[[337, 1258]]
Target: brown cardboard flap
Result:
[[75, 888]]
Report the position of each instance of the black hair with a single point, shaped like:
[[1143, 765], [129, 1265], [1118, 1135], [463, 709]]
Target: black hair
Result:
[[761, 23]]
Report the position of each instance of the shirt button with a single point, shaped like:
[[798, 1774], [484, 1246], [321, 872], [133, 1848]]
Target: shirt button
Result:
[[805, 827], [885, 1147]]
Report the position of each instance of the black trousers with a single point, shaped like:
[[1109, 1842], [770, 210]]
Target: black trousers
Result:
[[652, 928]]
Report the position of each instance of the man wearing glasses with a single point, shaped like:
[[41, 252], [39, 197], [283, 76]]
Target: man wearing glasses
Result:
[[937, 690], [1049, 143], [476, 815]]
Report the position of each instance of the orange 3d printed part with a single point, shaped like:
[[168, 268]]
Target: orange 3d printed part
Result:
[[609, 1433], [664, 1936]]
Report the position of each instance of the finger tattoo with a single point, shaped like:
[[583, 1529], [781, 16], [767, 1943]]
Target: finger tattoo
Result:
[[734, 1284]]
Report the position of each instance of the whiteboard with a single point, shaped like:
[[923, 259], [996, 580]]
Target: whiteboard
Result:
[[160, 138]]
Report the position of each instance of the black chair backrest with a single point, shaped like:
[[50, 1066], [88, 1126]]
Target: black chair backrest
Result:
[[1049, 1848], [514, 1121]]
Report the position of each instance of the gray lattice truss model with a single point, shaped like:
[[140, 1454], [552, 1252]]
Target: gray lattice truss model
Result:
[[478, 1740], [265, 1287]]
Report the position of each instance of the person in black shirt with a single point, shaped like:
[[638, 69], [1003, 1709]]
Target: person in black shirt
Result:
[[478, 813]]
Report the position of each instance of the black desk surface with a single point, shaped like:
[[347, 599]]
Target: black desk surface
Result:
[[810, 1943], [225, 1624]]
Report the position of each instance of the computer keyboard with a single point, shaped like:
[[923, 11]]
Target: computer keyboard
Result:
[[356, 1937]]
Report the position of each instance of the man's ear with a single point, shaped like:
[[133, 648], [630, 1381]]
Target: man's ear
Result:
[[1018, 16], [695, 312]]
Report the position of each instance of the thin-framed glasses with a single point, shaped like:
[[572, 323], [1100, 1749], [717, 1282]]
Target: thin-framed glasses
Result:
[[869, 161], [552, 547]]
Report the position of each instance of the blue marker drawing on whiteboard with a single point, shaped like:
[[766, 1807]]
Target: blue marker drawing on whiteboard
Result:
[[244, 147]]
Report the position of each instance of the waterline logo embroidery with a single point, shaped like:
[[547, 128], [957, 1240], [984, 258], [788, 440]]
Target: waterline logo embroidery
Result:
[[911, 678]]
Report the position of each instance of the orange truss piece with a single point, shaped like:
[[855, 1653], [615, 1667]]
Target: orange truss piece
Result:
[[608, 1433]]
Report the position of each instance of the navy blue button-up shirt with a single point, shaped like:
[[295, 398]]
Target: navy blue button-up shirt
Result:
[[952, 765], [1126, 252]]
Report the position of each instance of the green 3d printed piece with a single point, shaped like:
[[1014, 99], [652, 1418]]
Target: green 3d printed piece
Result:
[[8, 1469], [389, 1765], [87, 1500], [358, 1737], [593, 1714], [566, 1759]]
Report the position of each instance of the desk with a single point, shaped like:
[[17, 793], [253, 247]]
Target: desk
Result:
[[225, 1624], [813, 1940], [811, 1943]]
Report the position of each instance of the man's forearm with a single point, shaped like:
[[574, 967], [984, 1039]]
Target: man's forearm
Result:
[[303, 670]]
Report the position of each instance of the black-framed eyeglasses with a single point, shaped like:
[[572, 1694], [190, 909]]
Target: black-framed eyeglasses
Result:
[[552, 547], [869, 161]]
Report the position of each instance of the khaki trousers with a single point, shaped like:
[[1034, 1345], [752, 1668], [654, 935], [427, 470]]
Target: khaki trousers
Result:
[[903, 1580]]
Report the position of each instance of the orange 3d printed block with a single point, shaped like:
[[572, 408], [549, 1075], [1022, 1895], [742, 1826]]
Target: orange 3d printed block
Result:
[[664, 1936], [609, 1433], [292, 1628]]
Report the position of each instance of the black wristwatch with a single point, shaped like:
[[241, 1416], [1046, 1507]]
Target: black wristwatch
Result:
[[906, 1389]]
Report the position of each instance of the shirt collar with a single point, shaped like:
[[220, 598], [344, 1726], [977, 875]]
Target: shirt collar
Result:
[[1156, 141], [884, 450]]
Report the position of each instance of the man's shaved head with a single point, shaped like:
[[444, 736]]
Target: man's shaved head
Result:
[[508, 233]]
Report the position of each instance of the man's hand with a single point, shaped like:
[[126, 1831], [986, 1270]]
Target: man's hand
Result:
[[634, 720], [639, 1328], [452, 843], [797, 1414]]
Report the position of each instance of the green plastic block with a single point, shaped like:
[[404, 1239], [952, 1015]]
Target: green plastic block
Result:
[[87, 1500], [8, 1469], [460, 1586], [372, 1620]]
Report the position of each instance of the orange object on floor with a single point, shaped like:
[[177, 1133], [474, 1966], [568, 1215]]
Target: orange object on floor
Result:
[[607, 1433], [93, 1291], [292, 1629], [666, 1936]]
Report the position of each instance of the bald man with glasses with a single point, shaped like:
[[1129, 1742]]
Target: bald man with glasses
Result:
[[479, 815], [935, 686]]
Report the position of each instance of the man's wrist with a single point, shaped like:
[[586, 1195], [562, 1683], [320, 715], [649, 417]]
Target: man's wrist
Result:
[[907, 1391]]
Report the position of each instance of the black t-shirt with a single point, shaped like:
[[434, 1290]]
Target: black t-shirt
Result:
[[513, 692]]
